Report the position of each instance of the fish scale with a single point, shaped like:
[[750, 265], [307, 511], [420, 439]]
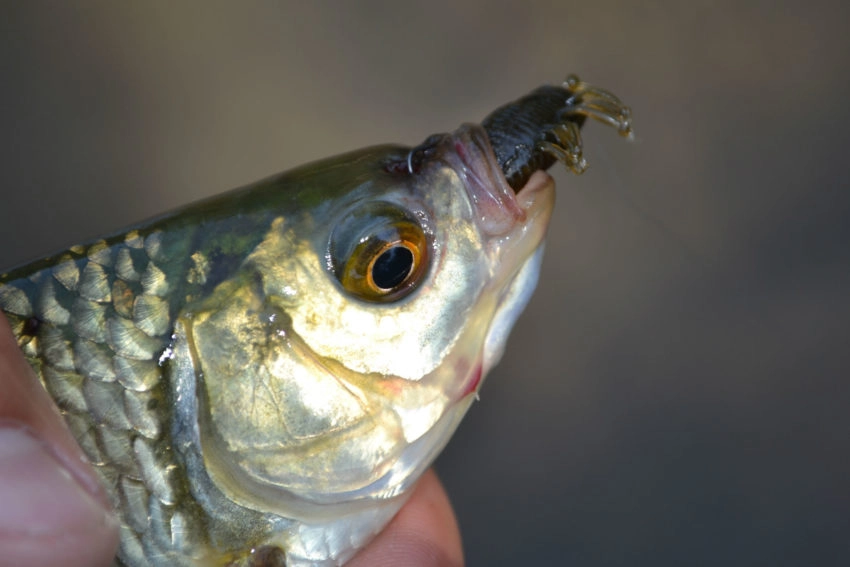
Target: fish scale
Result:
[[101, 328]]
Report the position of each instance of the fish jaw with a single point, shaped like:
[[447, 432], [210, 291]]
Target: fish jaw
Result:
[[513, 224]]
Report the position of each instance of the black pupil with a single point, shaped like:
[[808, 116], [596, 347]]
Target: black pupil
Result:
[[392, 267]]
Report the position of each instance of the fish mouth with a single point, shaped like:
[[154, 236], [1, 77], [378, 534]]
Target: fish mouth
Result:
[[514, 224], [497, 207]]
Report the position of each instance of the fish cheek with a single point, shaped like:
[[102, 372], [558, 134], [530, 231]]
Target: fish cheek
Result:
[[272, 417]]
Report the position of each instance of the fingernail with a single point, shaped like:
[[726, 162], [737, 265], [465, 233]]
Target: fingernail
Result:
[[38, 496]]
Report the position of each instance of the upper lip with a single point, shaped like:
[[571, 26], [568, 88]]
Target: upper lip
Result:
[[494, 201]]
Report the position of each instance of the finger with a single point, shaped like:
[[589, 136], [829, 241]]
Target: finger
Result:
[[53, 510], [423, 534]]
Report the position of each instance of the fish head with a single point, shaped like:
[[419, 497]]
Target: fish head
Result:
[[334, 365]]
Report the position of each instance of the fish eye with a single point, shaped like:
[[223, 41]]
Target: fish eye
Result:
[[392, 267], [380, 252]]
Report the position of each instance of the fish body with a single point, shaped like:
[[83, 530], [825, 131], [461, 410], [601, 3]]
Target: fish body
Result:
[[260, 377]]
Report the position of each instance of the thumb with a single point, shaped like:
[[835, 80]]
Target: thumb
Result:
[[53, 510]]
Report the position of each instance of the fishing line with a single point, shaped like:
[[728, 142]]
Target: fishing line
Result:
[[609, 168]]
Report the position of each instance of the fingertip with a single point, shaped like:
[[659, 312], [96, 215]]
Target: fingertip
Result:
[[53, 510], [25, 401], [46, 516], [424, 533]]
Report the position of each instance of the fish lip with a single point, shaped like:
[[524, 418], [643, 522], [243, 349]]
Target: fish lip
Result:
[[513, 224], [494, 202], [498, 209]]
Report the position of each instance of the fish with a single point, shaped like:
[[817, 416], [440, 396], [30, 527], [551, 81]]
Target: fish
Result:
[[260, 378]]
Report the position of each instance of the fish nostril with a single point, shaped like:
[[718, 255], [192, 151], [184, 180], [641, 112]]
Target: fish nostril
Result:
[[424, 151]]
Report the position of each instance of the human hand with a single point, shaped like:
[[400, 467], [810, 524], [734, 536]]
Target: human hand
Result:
[[423, 533], [53, 510]]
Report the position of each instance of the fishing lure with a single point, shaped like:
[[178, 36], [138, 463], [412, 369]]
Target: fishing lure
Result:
[[260, 378]]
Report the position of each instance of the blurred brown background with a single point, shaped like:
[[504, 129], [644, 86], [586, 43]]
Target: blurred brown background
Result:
[[677, 392]]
